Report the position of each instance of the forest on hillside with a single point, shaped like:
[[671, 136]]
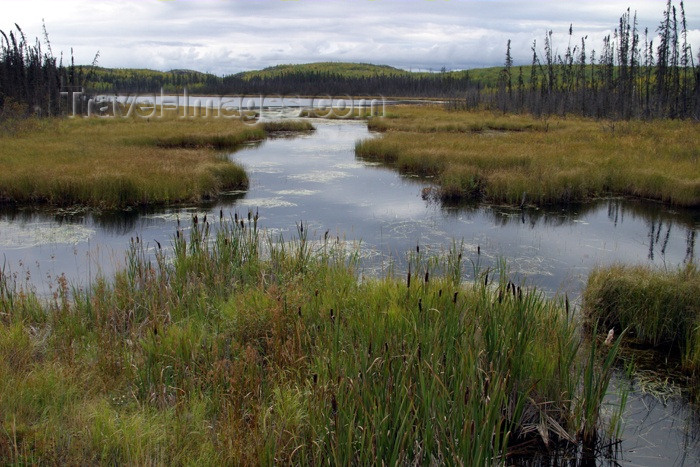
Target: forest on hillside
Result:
[[634, 74]]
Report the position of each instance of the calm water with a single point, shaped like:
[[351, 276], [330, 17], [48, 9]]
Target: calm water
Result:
[[317, 179]]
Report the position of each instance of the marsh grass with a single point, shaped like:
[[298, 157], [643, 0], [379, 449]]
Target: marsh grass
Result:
[[123, 162], [236, 347], [516, 159], [660, 309]]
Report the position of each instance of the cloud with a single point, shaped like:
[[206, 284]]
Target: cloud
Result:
[[225, 36]]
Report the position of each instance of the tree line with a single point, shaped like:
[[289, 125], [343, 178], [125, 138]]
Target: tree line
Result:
[[630, 77]]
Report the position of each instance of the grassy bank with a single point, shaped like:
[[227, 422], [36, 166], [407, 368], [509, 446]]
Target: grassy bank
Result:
[[238, 349], [121, 162], [660, 308], [508, 158]]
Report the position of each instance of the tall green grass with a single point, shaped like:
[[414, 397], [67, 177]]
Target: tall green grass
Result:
[[659, 308], [231, 346]]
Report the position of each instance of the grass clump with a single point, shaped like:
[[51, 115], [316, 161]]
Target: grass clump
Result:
[[516, 159], [240, 348], [659, 308], [114, 163]]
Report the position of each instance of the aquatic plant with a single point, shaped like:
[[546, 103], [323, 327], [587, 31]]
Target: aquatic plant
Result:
[[230, 345]]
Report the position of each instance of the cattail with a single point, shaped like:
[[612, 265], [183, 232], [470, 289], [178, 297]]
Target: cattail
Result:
[[611, 336], [454, 298], [332, 316], [418, 249], [520, 293], [299, 312], [439, 293], [566, 304], [235, 217], [427, 276], [500, 295], [137, 239], [478, 250], [250, 214], [301, 228], [420, 305], [221, 214], [486, 279], [334, 405], [155, 330], [195, 219], [242, 224], [459, 257], [316, 293], [408, 278], [177, 234], [386, 347], [204, 221], [369, 350], [315, 377], [325, 236]]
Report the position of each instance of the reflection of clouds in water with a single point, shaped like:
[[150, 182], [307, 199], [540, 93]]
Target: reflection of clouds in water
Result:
[[297, 192], [320, 176], [27, 236], [266, 203]]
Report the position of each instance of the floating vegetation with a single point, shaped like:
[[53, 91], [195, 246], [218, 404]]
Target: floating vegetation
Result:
[[320, 176], [266, 203], [300, 192], [15, 235]]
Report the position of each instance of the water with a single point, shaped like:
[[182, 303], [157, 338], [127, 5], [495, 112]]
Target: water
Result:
[[316, 179]]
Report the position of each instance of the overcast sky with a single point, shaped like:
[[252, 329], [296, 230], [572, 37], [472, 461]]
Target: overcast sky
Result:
[[228, 36]]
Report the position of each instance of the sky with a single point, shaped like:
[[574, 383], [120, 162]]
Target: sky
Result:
[[229, 36]]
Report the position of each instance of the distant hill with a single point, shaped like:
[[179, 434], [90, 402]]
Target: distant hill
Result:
[[307, 78], [345, 69]]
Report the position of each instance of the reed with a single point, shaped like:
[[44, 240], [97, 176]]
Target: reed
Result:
[[233, 346], [659, 308], [519, 159]]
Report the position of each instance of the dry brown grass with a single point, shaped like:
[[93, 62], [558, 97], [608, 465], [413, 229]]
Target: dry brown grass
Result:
[[498, 158]]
